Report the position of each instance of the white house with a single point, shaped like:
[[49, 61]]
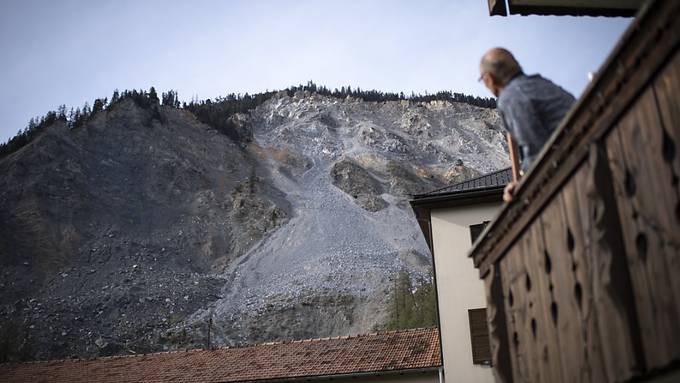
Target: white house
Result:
[[451, 218]]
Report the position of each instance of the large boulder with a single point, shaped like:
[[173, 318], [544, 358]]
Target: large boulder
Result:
[[358, 183]]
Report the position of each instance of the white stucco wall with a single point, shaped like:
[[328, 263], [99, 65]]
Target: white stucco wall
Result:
[[459, 287]]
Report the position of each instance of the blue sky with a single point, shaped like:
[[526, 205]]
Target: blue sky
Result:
[[69, 52]]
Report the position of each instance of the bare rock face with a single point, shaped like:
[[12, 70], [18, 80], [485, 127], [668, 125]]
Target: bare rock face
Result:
[[239, 128], [290, 162], [404, 182], [359, 184], [253, 215], [136, 231]]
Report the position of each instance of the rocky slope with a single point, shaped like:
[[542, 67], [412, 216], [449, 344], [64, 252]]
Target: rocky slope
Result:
[[146, 230]]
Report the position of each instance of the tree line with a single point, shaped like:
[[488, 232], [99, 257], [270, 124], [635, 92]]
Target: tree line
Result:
[[412, 304], [79, 116], [215, 112], [378, 96]]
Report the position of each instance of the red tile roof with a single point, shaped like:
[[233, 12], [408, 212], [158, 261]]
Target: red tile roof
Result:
[[380, 352]]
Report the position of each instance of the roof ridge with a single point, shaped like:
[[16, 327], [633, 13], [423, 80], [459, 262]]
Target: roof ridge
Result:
[[480, 176], [106, 357], [462, 182]]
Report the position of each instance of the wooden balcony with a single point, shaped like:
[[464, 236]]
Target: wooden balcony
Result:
[[582, 269]]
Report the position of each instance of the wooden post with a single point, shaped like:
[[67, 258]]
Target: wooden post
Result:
[[514, 157]]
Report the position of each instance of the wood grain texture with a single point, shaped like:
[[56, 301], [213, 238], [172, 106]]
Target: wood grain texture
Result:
[[498, 330], [584, 251], [645, 196], [667, 92], [565, 311], [568, 295], [535, 346], [515, 308], [612, 289], [539, 286]]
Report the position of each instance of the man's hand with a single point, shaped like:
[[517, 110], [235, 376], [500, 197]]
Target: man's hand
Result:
[[508, 191]]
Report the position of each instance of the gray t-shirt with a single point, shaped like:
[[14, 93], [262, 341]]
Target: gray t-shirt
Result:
[[531, 108]]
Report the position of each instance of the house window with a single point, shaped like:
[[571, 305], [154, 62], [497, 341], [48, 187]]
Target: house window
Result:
[[476, 230], [479, 334]]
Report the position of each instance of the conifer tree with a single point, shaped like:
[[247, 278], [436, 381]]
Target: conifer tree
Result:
[[115, 97], [411, 305], [153, 96], [98, 106]]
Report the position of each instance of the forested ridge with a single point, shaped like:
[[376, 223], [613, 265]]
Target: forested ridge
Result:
[[214, 112]]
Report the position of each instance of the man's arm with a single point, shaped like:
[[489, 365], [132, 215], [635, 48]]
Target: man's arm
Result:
[[514, 161], [514, 157]]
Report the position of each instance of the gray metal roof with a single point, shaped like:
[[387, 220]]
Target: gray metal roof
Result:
[[626, 8], [495, 180]]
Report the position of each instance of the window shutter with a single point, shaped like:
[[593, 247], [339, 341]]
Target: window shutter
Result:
[[476, 230], [479, 334]]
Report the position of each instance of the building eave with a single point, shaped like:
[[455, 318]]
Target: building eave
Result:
[[444, 200], [606, 8], [423, 205], [354, 375]]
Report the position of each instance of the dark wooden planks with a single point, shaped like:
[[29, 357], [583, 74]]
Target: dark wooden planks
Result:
[[498, 326], [602, 291], [535, 347], [667, 91], [564, 299], [515, 308], [581, 248], [644, 194], [546, 343], [564, 309]]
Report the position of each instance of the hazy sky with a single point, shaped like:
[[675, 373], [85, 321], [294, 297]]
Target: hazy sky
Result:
[[69, 52]]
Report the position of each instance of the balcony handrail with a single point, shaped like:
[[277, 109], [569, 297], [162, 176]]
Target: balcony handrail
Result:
[[617, 83]]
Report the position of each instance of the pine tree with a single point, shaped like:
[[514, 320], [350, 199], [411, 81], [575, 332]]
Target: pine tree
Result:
[[62, 112], [168, 99], [86, 110], [98, 106], [153, 96], [411, 305], [115, 97]]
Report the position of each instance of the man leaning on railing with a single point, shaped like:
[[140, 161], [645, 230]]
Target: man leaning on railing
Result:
[[530, 106]]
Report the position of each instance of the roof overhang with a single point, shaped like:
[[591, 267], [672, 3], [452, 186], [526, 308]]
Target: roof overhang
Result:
[[625, 8], [445, 200], [423, 205], [355, 375]]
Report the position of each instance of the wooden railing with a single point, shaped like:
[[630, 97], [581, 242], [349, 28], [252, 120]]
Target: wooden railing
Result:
[[582, 269]]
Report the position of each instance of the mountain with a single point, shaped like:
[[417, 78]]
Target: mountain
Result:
[[142, 228]]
